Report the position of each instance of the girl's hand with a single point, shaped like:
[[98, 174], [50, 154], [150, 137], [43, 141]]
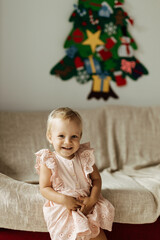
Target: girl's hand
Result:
[[72, 203], [88, 204]]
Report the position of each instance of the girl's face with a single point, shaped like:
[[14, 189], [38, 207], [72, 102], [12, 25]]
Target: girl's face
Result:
[[65, 136]]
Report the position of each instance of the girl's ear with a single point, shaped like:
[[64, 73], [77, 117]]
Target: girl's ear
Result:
[[81, 135], [49, 137]]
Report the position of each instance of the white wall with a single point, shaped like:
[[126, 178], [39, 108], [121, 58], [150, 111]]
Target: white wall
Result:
[[32, 33]]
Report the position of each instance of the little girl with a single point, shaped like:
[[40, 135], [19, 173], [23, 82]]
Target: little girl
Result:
[[71, 183]]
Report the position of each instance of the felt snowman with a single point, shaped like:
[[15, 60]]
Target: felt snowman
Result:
[[125, 49]]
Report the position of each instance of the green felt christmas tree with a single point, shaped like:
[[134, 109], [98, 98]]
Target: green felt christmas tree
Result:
[[99, 48]]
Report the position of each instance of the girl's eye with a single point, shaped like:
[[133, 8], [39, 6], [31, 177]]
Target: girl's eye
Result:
[[74, 136], [61, 136]]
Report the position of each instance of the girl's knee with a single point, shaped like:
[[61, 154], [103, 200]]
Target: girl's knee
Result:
[[101, 236]]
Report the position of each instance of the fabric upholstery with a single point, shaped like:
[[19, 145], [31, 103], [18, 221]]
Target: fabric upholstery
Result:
[[132, 136], [126, 141]]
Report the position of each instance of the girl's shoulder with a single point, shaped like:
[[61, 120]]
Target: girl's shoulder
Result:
[[85, 149], [46, 157], [86, 156]]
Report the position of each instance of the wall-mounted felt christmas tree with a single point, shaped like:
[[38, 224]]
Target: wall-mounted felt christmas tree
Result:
[[99, 48]]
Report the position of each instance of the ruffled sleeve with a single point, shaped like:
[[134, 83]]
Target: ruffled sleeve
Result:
[[87, 159], [45, 157], [48, 158]]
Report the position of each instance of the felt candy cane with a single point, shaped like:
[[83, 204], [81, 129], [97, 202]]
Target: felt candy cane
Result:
[[92, 21]]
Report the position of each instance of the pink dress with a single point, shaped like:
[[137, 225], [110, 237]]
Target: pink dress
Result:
[[71, 177]]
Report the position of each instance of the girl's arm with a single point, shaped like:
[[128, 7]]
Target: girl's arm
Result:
[[48, 192], [96, 184], [90, 201]]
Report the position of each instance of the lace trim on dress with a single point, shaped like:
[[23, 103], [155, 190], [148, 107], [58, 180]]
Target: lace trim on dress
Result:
[[48, 158], [87, 159]]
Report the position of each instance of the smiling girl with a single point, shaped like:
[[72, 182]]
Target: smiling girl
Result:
[[71, 183]]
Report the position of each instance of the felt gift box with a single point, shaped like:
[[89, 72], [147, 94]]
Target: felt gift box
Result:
[[92, 65], [101, 83]]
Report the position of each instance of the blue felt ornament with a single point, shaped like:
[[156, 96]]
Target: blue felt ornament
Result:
[[105, 10], [71, 51]]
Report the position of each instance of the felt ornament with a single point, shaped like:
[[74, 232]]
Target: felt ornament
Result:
[[127, 18], [93, 40], [110, 28], [110, 42], [92, 66], [78, 36], [138, 71], [71, 51], [127, 66], [120, 80], [79, 64], [104, 51], [99, 48], [82, 12], [91, 18], [82, 76], [101, 83], [125, 50], [119, 17], [118, 4], [105, 10]]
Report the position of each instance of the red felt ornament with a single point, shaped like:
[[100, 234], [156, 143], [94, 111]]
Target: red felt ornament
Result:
[[120, 80], [118, 4], [78, 36], [110, 42], [103, 53], [73, 14], [79, 63], [84, 24]]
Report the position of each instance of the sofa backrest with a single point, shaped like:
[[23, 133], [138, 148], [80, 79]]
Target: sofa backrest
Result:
[[132, 136], [21, 134], [94, 132]]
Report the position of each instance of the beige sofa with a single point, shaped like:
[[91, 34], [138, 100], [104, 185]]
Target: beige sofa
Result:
[[127, 150]]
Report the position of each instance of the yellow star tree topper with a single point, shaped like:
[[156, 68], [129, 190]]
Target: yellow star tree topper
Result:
[[93, 39]]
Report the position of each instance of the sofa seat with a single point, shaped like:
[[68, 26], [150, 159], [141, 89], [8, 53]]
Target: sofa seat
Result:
[[136, 194], [136, 198], [21, 205]]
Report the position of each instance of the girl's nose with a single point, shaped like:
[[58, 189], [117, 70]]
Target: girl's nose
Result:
[[67, 140]]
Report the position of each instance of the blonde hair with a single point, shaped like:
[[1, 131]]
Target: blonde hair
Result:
[[63, 113]]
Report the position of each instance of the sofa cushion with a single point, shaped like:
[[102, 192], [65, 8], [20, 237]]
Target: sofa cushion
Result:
[[135, 194], [132, 136]]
